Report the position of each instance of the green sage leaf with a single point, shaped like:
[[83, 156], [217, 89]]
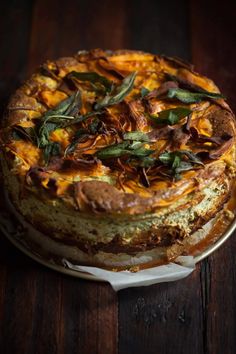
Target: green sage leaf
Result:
[[115, 150], [118, 93], [79, 136], [144, 92], [142, 152], [93, 78], [171, 116], [191, 97], [167, 158], [136, 136], [81, 118], [134, 149], [179, 161], [24, 133], [183, 166], [51, 149], [147, 161], [55, 118], [192, 157]]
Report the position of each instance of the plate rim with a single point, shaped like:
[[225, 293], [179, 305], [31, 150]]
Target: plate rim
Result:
[[55, 267]]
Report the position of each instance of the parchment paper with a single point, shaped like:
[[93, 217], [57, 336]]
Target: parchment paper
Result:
[[126, 279]]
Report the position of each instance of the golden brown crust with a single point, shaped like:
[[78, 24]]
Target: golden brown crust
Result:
[[28, 98], [102, 197], [81, 181]]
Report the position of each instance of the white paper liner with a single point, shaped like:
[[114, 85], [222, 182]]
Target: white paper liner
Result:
[[126, 279]]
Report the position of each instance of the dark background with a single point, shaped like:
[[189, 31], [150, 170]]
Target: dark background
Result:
[[42, 311]]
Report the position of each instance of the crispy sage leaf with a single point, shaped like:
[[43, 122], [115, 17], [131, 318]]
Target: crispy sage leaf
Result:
[[74, 105], [186, 96], [147, 161], [93, 78], [167, 158], [135, 149], [141, 152], [44, 133], [173, 161], [192, 157], [171, 116], [51, 149], [25, 133], [185, 84], [67, 112], [115, 150], [55, 118], [118, 93], [176, 162], [179, 161], [80, 118], [136, 136], [79, 136], [142, 161], [183, 166], [65, 107], [144, 92], [96, 126]]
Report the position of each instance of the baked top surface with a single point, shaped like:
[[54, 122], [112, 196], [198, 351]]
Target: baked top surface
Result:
[[118, 132]]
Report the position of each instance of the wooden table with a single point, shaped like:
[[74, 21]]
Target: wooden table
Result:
[[42, 311]]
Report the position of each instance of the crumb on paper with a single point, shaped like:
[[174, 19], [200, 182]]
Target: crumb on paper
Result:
[[114, 270], [229, 214], [134, 269]]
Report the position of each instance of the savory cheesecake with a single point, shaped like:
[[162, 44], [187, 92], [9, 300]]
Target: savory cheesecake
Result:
[[113, 156]]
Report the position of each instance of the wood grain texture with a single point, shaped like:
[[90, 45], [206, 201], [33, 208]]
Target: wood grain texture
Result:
[[213, 33], [156, 27], [214, 54], [163, 318], [14, 33], [44, 312], [77, 25], [41, 311], [14, 38]]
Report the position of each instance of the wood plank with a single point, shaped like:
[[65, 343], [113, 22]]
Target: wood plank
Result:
[[42, 311], [163, 318], [159, 27], [213, 43], [3, 277], [214, 53], [90, 317], [13, 61], [14, 38], [75, 26], [45, 312], [88, 311]]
